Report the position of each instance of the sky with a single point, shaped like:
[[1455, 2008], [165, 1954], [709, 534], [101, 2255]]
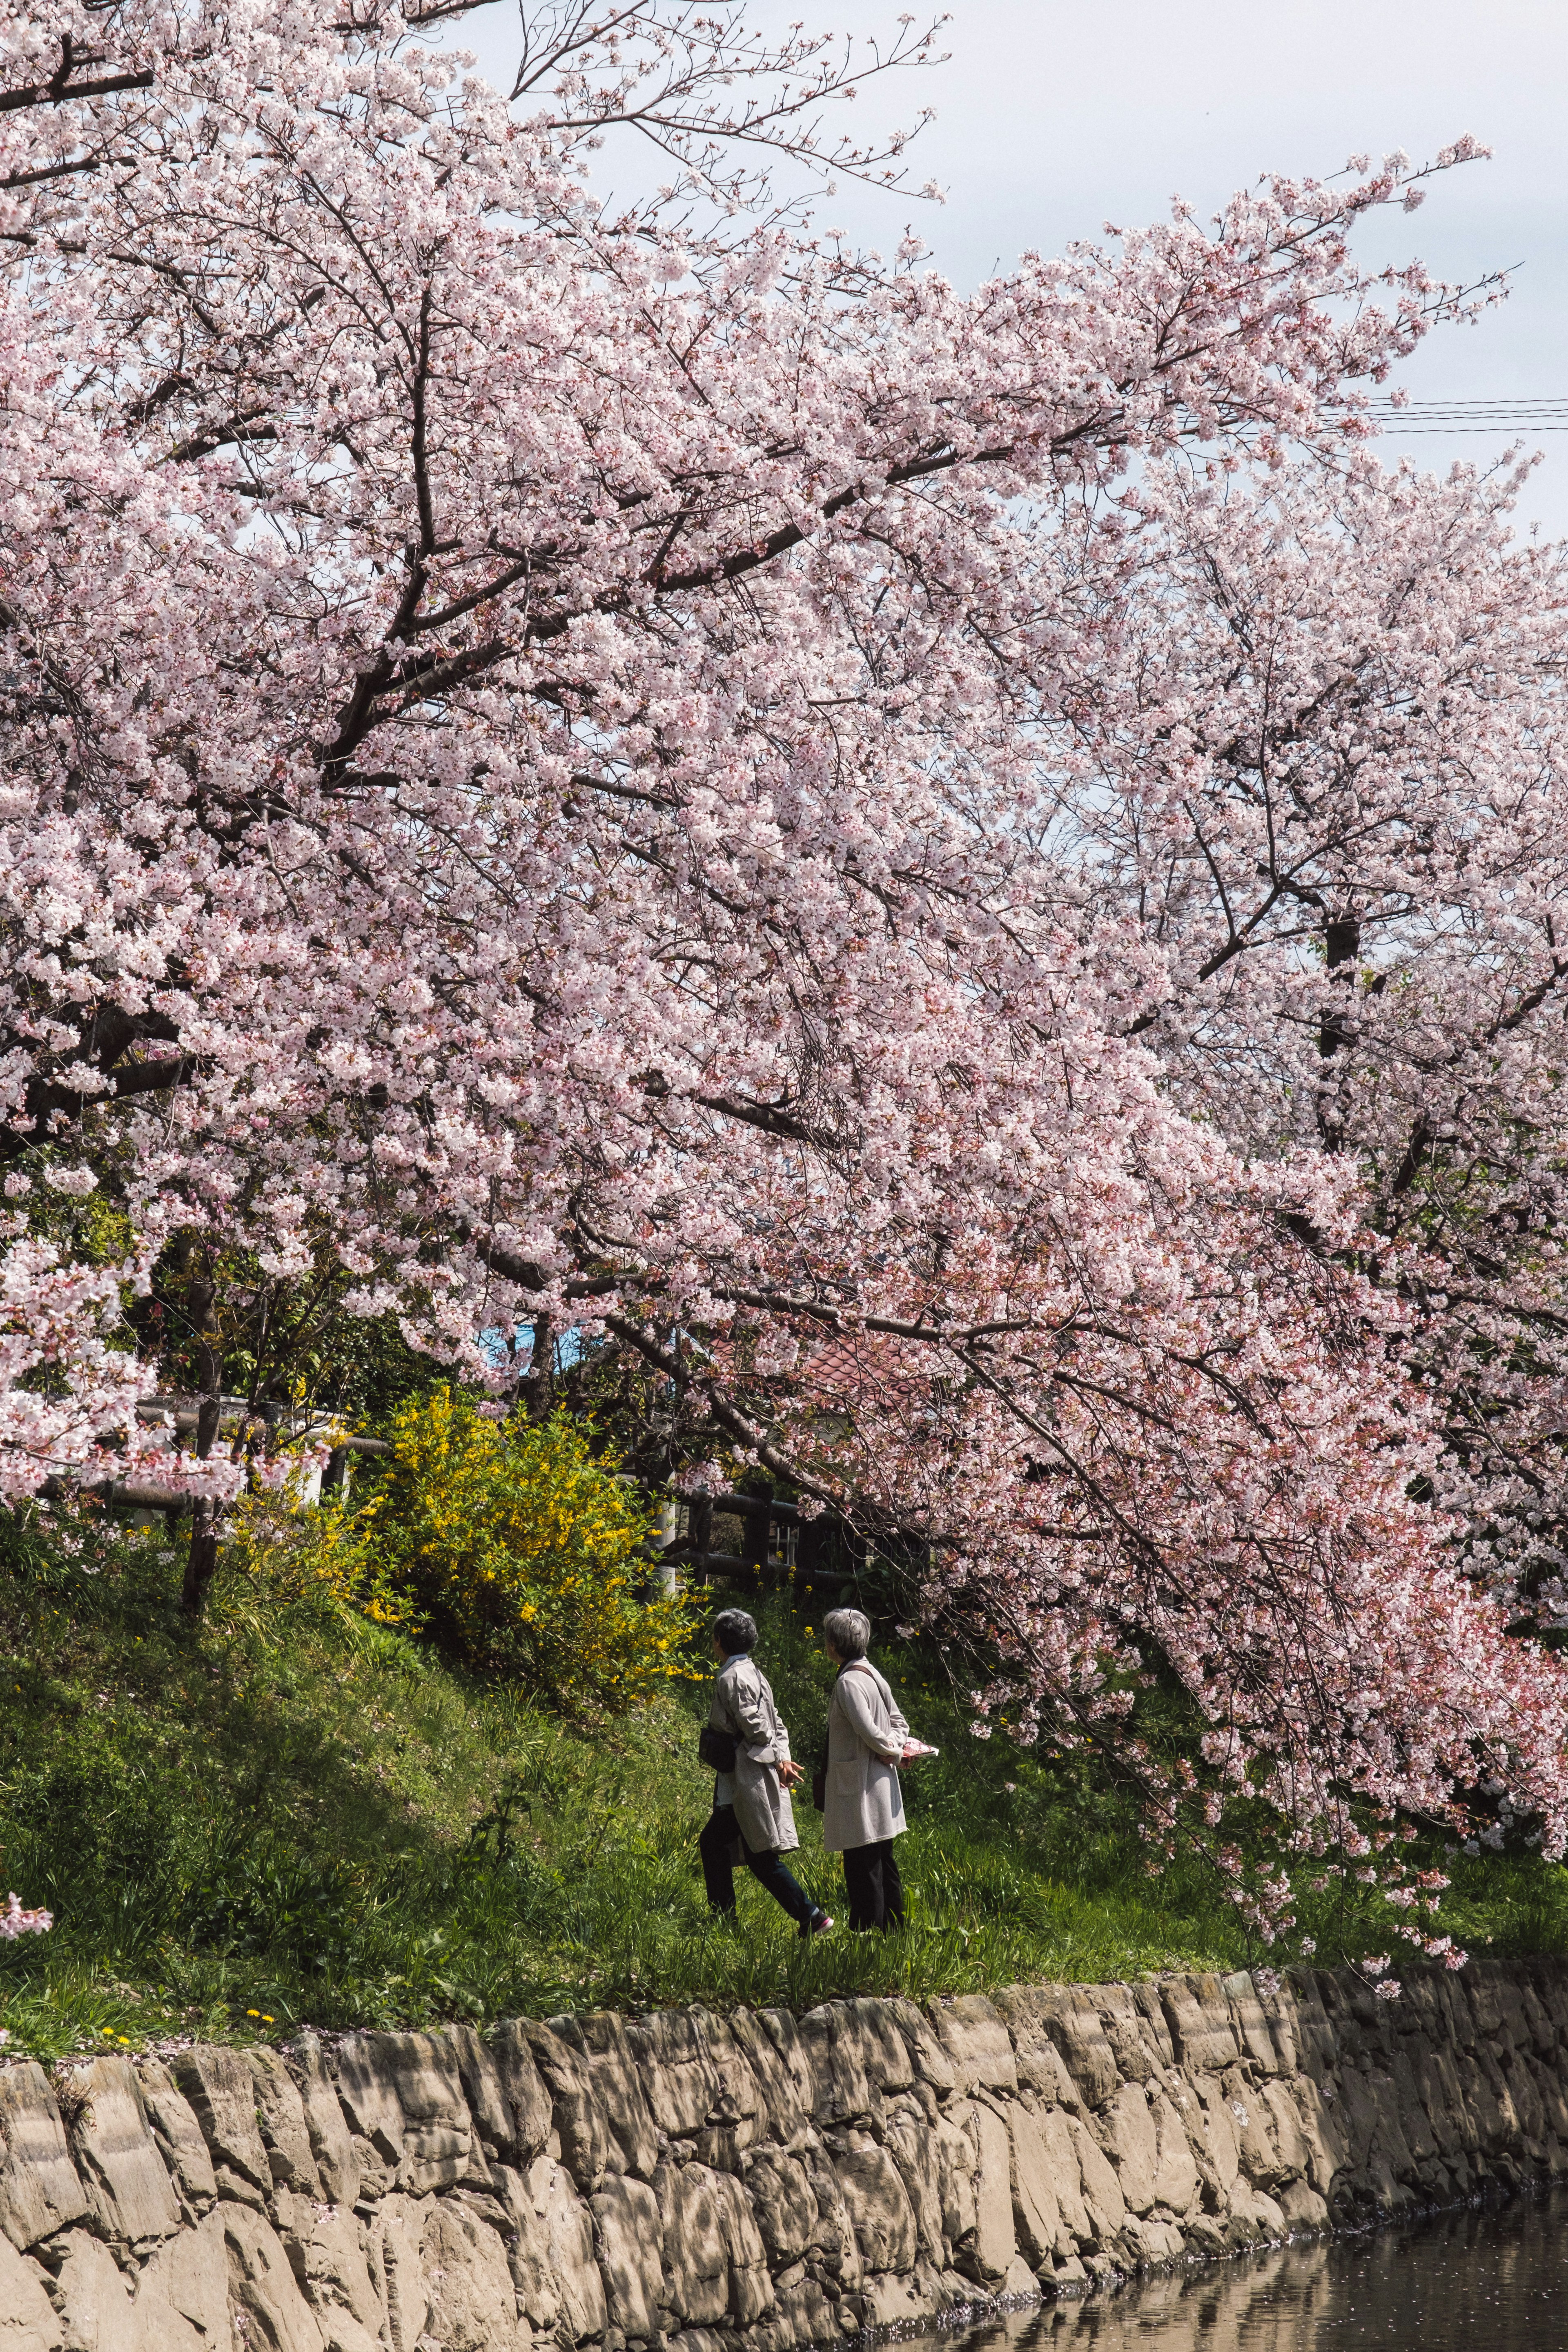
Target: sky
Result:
[[1052, 120]]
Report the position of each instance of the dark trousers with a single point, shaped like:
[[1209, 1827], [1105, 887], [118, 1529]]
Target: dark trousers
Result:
[[871, 1881], [721, 1836]]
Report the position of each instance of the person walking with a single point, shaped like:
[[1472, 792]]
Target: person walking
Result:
[[863, 1805], [753, 1819]]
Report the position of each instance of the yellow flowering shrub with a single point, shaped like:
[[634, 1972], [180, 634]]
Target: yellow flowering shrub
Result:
[[526, 1550], [329, 1554]]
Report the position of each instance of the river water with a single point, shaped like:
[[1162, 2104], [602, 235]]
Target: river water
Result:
[[1491, 2281]]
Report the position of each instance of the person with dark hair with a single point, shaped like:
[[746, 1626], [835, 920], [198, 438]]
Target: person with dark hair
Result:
[[751, 1821], [863, 1805]]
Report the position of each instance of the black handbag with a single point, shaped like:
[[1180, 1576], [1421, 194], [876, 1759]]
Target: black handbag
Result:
[[717, 1748]]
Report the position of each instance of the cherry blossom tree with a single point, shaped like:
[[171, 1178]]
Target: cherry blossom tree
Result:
[[591, 766], [1320, 753]]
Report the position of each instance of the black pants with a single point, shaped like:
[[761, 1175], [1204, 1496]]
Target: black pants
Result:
[[871, 1881], [721, 1835]]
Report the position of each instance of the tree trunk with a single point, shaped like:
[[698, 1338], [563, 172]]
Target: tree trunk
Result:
[[538, 1388], [201, 1562], [1337, 1028]]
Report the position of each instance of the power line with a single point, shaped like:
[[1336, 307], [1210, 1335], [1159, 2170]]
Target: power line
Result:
[[1549, 414]]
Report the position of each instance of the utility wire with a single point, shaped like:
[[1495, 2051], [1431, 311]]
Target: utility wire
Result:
[[1523, 414]]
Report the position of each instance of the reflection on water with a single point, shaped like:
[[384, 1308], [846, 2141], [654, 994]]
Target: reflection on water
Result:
[[1470, 2281]]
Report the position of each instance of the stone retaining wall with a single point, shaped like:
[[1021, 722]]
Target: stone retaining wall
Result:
[[689, 2183]]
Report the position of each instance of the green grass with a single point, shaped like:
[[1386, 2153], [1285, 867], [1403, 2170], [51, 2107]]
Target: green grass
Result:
[[290, 1815]]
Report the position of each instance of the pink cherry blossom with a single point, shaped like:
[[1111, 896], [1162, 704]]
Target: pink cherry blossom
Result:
[[925, 863]]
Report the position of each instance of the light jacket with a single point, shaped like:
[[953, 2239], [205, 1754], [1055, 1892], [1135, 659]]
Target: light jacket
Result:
[[866, 1736], [744, 1704]]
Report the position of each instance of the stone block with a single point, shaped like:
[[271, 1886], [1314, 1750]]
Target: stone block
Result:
[[785, 2209], [472, 2301], [182, 2294], [1043, 2069], [93, 2296], [327, 2248], [130, 2196], [1256, 2157], [994, 2243], [1391, 2144], [1198, 2015], [956, 2162], [676, 2071], [1309, 2024], [525, 2094], [579, 2127], [435, 2134], [27, 2318], [600, 2040], [910, 2141], [262, 2285], [1126, 2028], [695, 2245], [1306, 2212], [836, 2051], [928, 2060], [1102, 2197], [368, 2098], [742, 2041], [1255, 2219], [887, 2053], [628, 2239], [880, 2209], [1176, 2169], [1543, 2036], [1413, 2121], [1073, 2023], [538, 2295], [488, 2105], [178, 2135], [837, 2248], [1254, 2034], [221, 2089], [563, 2228], [975, 2042], [280, 2118], [911, 2299], [804, 2315], [1146, 1999], [751, 2287], [1129, 2137], [39, 2190], [1037, 2223], [332, 2146], [1155, 2245], [1211, 2125], [397, 2240], [1323, 2130]]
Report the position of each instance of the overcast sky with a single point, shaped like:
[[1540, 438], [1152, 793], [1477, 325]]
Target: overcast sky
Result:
[[1052, 120]]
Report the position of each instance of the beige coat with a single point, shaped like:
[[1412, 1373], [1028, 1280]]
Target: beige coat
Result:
[[744, 1704], [866, 1736]]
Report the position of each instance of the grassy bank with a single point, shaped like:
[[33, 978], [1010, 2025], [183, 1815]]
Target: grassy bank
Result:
[[289, 1815]]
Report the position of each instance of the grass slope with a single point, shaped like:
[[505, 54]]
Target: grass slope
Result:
[[289, 1815]]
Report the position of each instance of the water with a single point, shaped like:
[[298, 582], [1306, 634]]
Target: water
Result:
[[1493, 2281]]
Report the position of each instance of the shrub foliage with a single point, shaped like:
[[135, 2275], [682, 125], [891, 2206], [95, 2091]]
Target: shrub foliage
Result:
[[523, 1549]]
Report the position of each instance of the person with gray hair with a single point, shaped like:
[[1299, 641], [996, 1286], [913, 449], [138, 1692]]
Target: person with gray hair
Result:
[[748, 1746], [863, 1804]]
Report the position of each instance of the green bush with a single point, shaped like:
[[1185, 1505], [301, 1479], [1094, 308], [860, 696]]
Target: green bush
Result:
[[529, 1552]]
